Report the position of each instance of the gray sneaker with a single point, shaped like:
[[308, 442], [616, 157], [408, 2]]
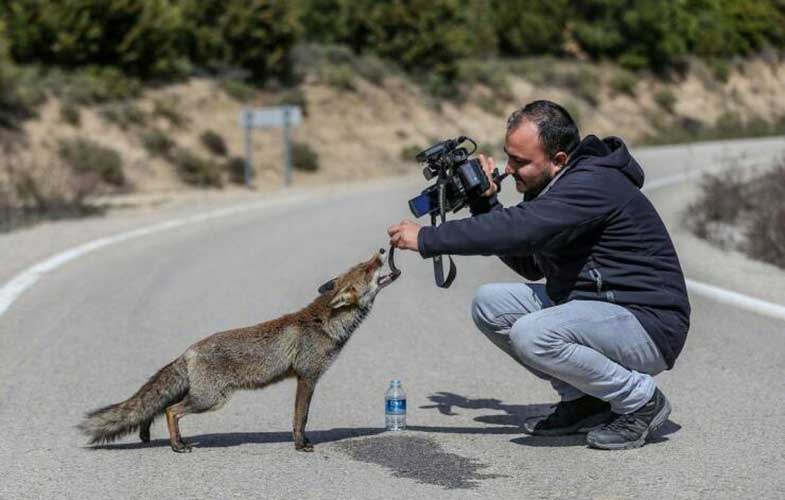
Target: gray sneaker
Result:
[[571, 417], [631, 430]]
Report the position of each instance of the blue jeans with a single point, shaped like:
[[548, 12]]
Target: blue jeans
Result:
[[581, 347]]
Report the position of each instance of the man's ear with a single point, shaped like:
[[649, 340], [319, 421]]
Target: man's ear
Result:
[[560, 159], [345, 296]]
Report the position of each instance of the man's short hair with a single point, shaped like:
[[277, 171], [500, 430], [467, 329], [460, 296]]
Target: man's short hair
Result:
[[556, 128]]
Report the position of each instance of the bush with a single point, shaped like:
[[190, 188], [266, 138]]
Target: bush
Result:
[[746, 214], [304, 157], [157, 143], [17, 102], [141, 38], [70, 114], [295, 97], [526, 27], [490, 73], [213, 142], [238, 90], [167, 109], [410, 152], [582, 81], [93, 85], [623, 82], [195, 170], [766, 230], [87, 156], [256, 36], [30, 191], [124, 115], [339, 76], [235, 166], [665, 99]]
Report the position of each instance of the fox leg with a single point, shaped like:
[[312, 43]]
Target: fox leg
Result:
[[173, 415], [302, 402], [144, 431]]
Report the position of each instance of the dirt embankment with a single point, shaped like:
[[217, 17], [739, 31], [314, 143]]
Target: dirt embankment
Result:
[[363, 129]]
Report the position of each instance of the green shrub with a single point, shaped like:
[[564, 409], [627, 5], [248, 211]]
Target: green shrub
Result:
[[124, 115], [87, 156], [140, 37], [666, 99], [339, 76], [623, 82], [94, 85], [195, 170], [720, 69], [525, 27], [254, 35], [410, 152], [17, 103], [238, 90], [490, 73], [167, 108], [213, 142], [304, 157], [582, 81], [70, 114], [295, 97], [235, 166], [372, 68], [489, 104], [157, 143]]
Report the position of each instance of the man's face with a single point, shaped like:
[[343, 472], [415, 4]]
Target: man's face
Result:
[[527, 162]]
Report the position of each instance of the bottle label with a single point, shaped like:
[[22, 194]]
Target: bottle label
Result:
[[395, 406]]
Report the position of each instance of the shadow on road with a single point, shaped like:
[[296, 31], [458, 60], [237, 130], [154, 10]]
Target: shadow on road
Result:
[[513, 421], [239, 438]]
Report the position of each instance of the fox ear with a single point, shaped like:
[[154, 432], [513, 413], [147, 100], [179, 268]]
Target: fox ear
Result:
[[344, 297]]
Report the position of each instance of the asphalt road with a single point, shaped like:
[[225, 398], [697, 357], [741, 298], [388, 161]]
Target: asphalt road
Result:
[[90, 334]]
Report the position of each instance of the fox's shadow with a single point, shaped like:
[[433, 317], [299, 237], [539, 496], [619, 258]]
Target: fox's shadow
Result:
[[229, 439]]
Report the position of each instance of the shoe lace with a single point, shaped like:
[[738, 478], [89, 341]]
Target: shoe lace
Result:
[[620, 423]]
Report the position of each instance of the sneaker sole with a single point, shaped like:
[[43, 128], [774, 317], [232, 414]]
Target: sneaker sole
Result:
[[656, 423]]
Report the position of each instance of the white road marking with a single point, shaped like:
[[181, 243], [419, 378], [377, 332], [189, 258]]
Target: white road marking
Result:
[[27, 278]]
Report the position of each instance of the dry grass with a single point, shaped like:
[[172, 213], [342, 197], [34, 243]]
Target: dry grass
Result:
[[31, 190], [743, 213]]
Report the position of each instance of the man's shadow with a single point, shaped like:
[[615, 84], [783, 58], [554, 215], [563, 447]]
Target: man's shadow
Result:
[[513, 419]]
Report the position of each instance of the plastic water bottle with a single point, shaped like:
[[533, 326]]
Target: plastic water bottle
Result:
[[395, 407]]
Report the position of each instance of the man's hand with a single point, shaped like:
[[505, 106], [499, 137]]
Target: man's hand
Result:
[[404, 235], [488, 165]]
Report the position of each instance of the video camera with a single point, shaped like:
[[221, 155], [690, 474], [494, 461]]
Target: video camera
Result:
[[459, 181]]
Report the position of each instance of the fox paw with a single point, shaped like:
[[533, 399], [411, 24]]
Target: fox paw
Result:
[[182, 447], [304, 446]]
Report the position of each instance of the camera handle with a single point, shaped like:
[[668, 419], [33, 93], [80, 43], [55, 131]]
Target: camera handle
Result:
[[438, 265]]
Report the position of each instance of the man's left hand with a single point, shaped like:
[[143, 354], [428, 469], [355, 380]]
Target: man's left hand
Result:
[[404, 235]]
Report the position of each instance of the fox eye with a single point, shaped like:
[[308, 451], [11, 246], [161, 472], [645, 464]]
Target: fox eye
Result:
[[330, 285]]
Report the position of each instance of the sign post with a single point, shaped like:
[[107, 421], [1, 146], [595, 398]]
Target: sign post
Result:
[[279, 116]]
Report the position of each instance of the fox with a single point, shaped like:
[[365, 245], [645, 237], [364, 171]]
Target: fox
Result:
[[302, 344]]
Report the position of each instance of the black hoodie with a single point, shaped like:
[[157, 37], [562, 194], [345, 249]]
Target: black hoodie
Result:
[[592, 234]]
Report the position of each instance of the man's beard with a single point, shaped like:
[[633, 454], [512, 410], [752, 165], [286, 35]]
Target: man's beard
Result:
[[532, 188]]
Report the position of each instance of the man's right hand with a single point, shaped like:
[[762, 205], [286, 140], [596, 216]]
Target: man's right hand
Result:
[[488, 165]]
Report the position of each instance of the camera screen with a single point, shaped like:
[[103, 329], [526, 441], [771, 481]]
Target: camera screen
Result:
[[420, 205]]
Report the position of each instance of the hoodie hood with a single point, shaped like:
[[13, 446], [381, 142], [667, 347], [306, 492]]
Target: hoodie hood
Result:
[[610, 152]]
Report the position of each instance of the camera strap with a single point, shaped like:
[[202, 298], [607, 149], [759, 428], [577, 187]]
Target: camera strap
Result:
[[438, 265]]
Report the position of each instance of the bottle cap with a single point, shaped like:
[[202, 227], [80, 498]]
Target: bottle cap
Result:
[[395, 382]]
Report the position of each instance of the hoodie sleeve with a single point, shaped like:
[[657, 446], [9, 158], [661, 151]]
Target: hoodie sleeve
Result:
[[523, 264], [571, 208]]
